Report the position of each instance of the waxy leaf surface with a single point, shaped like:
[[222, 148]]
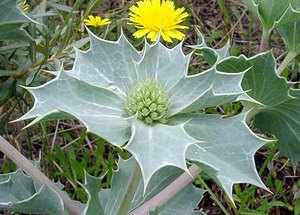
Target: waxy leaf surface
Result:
[[157, 146], [225, 150], [182, 203], [290, 34], [11, 21], [274, 13], [18, 193], [99, 109], [278, 110], [261, 82], [92, 187], [284, 121], [95, 91], [108, 64]]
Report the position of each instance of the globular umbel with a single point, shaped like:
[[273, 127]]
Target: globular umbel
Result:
[[148, 100]]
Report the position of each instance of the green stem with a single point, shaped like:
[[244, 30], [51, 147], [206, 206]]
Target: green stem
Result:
[[288, 58], [264, 40], [213, 196], [54, 40], [131, 189]]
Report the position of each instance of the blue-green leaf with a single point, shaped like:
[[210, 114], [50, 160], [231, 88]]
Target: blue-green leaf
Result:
[[108, 64], [284, 121], [99, 109], [279, 105], [157, 146], [18, 193], [92, 187], [227, 148], [11, 21], [274, 13], [182, 203]]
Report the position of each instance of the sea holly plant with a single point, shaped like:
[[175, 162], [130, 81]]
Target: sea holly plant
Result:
[[273, 14], [11, 22], [147, 103], [279, 101]]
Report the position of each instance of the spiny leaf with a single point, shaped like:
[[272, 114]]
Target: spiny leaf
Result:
[[274, 13], [167, 66], [92, 187], [212, 56], [226, 149], [206, 89], [261, 82], [278, 111], [111, 198], [284, 121], [18, 193], [11, 21], [99, 109], [108, 64], [213, 86], [95, 91], [157, 146]]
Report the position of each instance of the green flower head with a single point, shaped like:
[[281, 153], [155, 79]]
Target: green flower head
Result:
[[149, 100]]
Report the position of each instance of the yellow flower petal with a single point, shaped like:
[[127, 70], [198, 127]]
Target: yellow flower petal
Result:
[[25, 8], [96, 21], [153, 16], [141, 33], [92, 18], [152, 35], [105, 21], [166, 37]]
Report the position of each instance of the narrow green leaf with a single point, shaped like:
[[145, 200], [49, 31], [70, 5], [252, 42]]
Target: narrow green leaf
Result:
[[61, 7], [63, 161], [7, 89]]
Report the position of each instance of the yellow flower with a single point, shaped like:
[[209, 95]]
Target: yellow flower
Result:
[[152, 17], [96, 21], [25, 6]]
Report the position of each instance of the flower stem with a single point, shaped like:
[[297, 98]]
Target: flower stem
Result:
[[169, 192], [37, 175], [288, 58], [131, 189], [213, 196], [264, 40]]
